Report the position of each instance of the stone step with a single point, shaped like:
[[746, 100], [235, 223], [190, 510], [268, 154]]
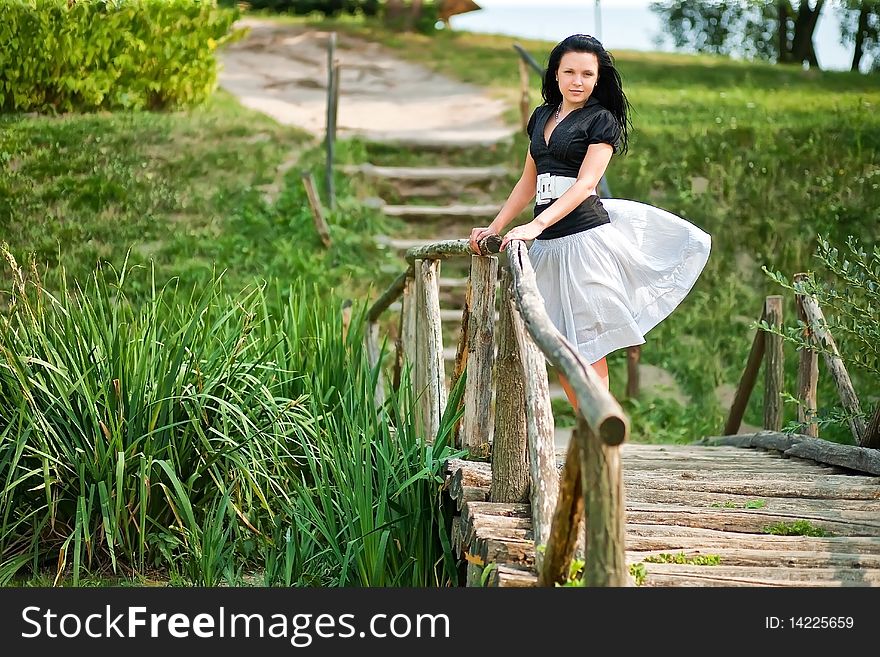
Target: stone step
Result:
[[441, 140], [428, 174], [474, 213], [446, 314]]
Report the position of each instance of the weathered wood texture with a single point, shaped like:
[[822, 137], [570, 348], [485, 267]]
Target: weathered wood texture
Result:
[[389, 295], [773, 365], [544, 478], [333, 79], [601, 410], [835, 365], [808, 372], [633, 356], [372, 345], [678, 508], [861, 459], [568, 520], [480, 349], [429, 350], [321, 226], [510, 468], [746, 382], [602, 483]]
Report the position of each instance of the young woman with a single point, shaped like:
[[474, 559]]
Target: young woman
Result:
[[608, 270]]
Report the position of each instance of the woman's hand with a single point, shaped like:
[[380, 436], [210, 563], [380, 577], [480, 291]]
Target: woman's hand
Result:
[[527, 231], [479, 233]]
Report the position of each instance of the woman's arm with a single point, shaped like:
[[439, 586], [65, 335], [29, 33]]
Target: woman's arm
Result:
[[592, 169], [520, 196]]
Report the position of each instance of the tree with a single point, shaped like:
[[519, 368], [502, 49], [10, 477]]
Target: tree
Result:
[[779, 30], [860, 25]]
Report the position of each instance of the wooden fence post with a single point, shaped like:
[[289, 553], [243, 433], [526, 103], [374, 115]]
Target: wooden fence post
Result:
[[835, 365], [510, 471], [808, 372], [602, 483], [544, 478], [746, 381], [480, 350], [567, 521], [315, 206], [429, 351], [773, 369], [332, 110], [524, 102], [633, 355], [372, 345]]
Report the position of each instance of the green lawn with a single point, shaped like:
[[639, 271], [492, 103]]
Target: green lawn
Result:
[[216, 187], [785, 155]]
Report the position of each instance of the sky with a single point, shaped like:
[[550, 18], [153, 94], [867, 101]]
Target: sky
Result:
[[625, 24]]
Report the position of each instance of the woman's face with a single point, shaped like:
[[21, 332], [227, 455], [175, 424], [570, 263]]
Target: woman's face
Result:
[[577, 74]]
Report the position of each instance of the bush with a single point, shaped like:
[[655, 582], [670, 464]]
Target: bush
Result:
[[60, 56], [325, 7], [209, 436]]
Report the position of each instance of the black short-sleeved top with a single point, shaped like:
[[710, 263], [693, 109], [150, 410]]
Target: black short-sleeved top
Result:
[[563, 156]]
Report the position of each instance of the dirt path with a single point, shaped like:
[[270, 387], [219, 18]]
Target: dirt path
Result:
[[281, 70]]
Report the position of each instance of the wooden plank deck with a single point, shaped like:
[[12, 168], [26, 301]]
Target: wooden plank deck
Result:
[[698, 501]]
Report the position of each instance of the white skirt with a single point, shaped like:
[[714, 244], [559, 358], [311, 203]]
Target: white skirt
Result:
[[606, 287]]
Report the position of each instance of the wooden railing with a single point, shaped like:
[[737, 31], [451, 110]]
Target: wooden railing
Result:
[[767, 347], [522, 449]]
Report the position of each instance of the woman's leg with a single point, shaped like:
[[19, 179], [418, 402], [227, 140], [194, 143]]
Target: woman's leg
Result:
[[601, 368]]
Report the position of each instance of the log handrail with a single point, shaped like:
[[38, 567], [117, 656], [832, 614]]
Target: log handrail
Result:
[[593, 459]]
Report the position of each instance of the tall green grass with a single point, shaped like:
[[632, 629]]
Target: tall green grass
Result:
[[213, 437]]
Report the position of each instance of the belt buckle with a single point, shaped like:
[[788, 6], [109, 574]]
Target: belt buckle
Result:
[[544, 187]]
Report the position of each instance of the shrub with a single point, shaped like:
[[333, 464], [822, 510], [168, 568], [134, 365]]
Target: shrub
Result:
[[60, 56], [325, 7], [208, 437], [847, 288]]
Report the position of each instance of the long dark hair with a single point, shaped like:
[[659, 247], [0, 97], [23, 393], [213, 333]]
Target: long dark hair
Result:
[[609, 90]]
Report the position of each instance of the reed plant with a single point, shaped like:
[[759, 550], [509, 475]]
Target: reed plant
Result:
[[210, 437]]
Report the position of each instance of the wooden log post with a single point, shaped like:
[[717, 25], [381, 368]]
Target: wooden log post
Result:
[[808, 372], [567, 521], [633, 356], [315, 206], [510, 470], [372, 345], [544, 478], [411, 292], [872, 433], [461, 355], [602, 483], [332, 111], [835, 365], [480, 347], [429, 351], [524, 102], [746, 382], [398, 349], [773, 366]]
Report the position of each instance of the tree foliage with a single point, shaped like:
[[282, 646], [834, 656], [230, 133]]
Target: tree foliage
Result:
[[860, 26], [780, 30]]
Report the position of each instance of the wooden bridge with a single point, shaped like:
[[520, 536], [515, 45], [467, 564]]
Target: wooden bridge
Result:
[[750, 509], [763, 509]]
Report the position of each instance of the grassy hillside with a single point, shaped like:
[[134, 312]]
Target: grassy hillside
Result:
[[211, 189], [784, 155]]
